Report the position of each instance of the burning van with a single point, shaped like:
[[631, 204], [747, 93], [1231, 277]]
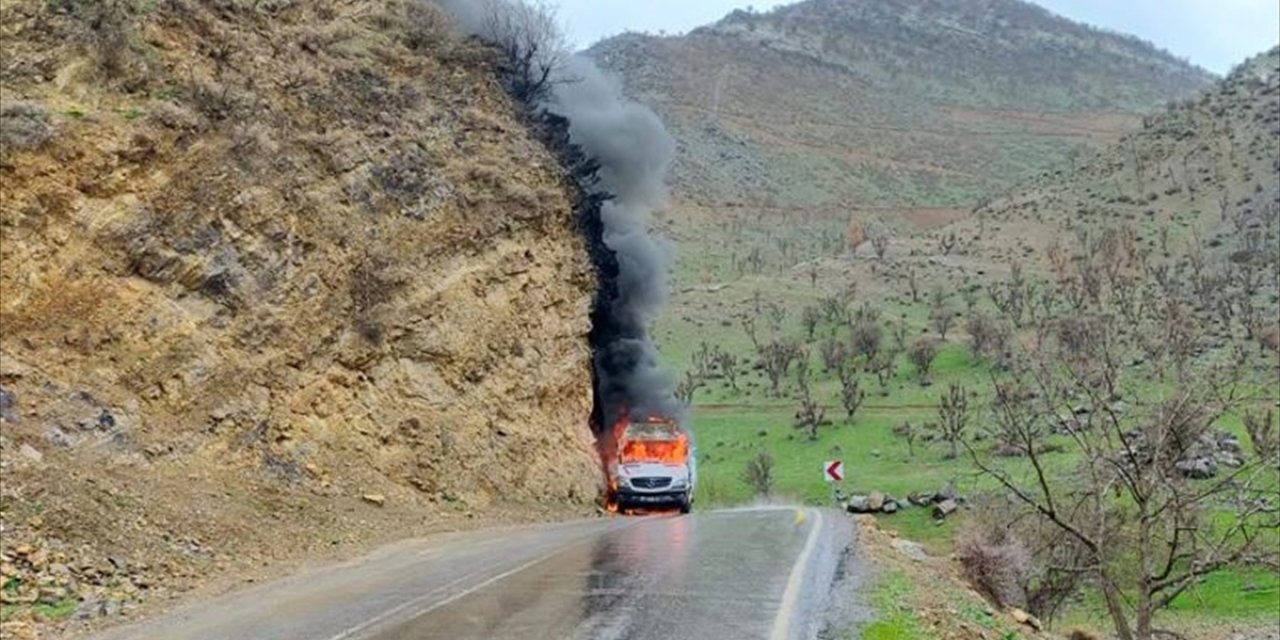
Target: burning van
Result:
[[653, 466]]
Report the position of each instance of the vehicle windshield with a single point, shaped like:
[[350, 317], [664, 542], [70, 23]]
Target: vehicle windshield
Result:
[[654, 442]]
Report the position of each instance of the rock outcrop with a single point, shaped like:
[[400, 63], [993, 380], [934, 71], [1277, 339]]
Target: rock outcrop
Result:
[[261, 260]]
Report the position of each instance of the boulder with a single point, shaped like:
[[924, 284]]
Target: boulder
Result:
[[875, 501], [890, 506], [913, 550], [857, 504], [945, 508], [921, 499], [1197, 468], [1022, 617]]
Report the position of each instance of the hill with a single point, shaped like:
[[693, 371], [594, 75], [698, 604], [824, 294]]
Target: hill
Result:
[[279, 279], [1167, 243], [1204, 172], [905, 104]]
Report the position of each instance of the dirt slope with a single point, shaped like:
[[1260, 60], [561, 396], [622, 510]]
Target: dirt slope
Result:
[[277, 277]]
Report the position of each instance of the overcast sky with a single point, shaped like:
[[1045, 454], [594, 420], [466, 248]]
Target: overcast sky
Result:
[[1215, 34]]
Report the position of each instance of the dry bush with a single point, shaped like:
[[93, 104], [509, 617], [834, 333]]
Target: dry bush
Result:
[[758, 474], [922, 353], [109, 28], [424, 26], [996, 562], [173, 116], [988, 337], [23, 125], [866, 337]]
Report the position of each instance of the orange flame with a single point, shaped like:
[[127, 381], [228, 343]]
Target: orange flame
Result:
[[672, 451]]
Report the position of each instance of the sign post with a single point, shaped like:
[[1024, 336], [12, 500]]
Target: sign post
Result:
[[833, 472]]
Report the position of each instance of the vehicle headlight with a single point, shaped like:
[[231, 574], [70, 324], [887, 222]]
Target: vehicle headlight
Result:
[[679, 483]]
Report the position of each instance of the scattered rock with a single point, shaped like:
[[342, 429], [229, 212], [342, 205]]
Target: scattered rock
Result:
[[374, 498], [1197, 469], [8, 406], [875, 501], [31, 453], [1022, 617], [945, 508], [922, 499], [857, 504], [913, 550], [890, 506]]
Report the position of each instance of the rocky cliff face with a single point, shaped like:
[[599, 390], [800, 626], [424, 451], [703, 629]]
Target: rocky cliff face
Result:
[[275, 276]]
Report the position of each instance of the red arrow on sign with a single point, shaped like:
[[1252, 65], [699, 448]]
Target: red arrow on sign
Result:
[[833, 470]]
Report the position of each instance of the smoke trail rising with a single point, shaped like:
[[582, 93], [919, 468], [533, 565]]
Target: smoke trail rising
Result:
[[619, 152]]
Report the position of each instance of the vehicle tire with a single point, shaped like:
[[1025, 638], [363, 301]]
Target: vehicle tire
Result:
[[686, 505]]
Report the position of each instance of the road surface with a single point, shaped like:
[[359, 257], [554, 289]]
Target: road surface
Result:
[[750, 573]]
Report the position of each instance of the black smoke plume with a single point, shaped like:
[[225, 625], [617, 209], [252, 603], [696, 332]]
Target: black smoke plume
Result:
[[618, 152]]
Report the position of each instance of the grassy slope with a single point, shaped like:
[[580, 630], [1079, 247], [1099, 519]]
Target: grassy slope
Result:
[[732, 426]]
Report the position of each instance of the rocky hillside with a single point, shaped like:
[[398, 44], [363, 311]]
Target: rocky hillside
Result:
[[898, 104], [1206, 172], [278, 277]]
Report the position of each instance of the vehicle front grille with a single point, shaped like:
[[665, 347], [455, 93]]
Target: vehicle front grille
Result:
[[650, 483]]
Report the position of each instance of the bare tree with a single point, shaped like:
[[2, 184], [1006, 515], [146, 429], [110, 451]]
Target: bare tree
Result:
[[866, 336], [883, 366], [833, 353], [727, 363], [810, 414], [922, 353], [910, 433], [1133, 486], [880, 243], [953, 416], [809, 319], [900, 332], [749, 327], [947, 243], [758, 474], [835, 309], [703, 360], [988, 337], [942, 317], [688, 386], [777, 358], [776, 314], [533, 48], [851, 396]]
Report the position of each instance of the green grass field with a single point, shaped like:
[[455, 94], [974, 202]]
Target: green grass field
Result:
[[731, 427]]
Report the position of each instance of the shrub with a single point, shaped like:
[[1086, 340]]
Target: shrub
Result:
[[23, 125], [758, 474], [996, 562]]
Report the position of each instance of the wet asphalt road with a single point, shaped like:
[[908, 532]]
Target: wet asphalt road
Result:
[[758, 573]]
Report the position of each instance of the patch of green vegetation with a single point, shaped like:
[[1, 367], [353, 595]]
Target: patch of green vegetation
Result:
[[74, 113], [896, 622], [62, 609], [133, 113], [1233, 595], [1227, 596]]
